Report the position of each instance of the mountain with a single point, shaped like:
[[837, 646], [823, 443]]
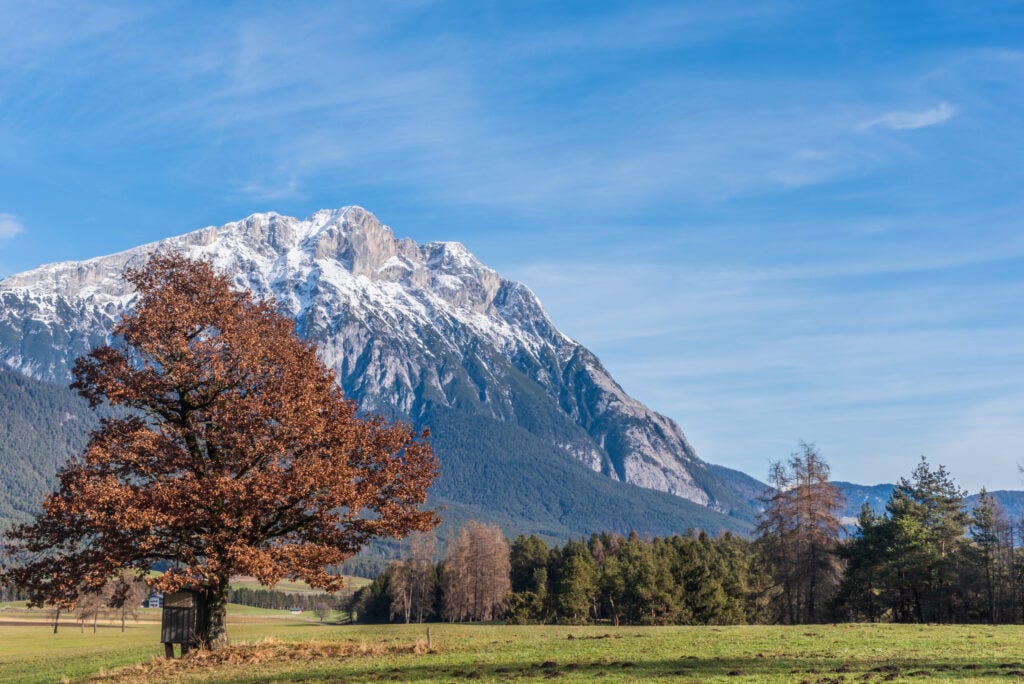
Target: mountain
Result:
[[856, 495], [1010, 501], [41, 425], [528, 424], [745, 487]]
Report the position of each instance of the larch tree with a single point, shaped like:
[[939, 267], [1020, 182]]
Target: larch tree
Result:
[[799, 533], [237, 454], [475, 578]]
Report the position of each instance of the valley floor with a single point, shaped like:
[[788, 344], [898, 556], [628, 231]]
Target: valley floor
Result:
[[280, 647]]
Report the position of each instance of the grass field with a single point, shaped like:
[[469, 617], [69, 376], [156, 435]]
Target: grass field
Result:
[[293, 587], [276, 646]]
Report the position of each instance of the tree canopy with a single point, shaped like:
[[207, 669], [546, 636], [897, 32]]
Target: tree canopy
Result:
[[237, 454]]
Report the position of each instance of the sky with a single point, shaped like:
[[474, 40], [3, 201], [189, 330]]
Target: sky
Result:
[[772, 221]]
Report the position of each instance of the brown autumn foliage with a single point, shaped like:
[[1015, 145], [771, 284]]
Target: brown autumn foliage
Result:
[[239, 456], [475, 578], [799, 532]]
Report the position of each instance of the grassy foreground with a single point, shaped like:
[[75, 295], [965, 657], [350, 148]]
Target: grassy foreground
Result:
[[270, 646]]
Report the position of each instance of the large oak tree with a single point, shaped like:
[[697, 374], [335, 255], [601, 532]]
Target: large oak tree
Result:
[[237, 454]]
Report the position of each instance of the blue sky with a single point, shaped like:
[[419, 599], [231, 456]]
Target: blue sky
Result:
[[772, 221]]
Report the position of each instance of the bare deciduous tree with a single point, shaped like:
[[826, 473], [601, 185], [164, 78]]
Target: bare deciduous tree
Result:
[[799, 535], [126, 594], [322, 610], [412, 579], [475, 580], [89, 608]]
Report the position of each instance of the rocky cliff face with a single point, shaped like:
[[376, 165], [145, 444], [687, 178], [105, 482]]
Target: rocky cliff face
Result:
[[408, 328]]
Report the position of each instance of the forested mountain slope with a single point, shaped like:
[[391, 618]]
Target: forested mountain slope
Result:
[[527, 423], [41, 426]]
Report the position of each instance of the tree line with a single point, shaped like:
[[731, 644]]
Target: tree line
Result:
[[273, 599], [926, 558], [691, 579]]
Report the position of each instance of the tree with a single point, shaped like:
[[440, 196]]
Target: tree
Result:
[[638, 581], [528, 559], [866, 558], [89, 608], [799, 533], [927, 526], [912, 562], [322, 609], [126, 594], [475, 579], [237, 454], [575, 590], [610, 583], [412, 580]]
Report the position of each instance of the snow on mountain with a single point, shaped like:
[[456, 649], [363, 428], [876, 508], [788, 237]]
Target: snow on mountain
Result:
[[406, 327]]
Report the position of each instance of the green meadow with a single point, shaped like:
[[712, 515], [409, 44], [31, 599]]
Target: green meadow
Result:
[[293, 586], [280, 647]]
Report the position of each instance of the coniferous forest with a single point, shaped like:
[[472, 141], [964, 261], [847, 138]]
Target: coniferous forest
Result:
[[927, 558]]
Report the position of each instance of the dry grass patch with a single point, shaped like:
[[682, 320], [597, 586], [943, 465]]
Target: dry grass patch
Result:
[[262, 652]]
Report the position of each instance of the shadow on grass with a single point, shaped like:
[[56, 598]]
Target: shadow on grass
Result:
[[811, 670]]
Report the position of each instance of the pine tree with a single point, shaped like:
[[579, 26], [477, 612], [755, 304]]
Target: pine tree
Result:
[[575, 592], [528, 558], [928, 527], [992, 552]]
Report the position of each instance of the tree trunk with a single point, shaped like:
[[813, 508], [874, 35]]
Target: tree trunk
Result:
[[213, 633], [56, 619]]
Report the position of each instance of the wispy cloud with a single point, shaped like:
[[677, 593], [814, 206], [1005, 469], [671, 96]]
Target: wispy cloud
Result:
[[776, 257], [30, 30], [907, 121], [10, 226], [286, 189], [992, 427], [872, 355]]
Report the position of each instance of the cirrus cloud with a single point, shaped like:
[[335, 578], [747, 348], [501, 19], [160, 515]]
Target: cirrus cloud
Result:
[[10, 226], [907, 121]]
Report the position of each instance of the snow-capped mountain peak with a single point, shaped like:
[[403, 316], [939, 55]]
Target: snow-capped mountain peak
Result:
[[410, 329]]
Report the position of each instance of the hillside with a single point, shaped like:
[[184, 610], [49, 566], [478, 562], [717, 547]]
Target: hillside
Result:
[[429, 334], [41, 426]]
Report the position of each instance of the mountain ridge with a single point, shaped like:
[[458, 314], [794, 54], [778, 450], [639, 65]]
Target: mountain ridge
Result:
[[855, 495], [413, 331]]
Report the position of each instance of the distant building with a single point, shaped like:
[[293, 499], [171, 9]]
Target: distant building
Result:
[[154, 600], [295, 610]]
